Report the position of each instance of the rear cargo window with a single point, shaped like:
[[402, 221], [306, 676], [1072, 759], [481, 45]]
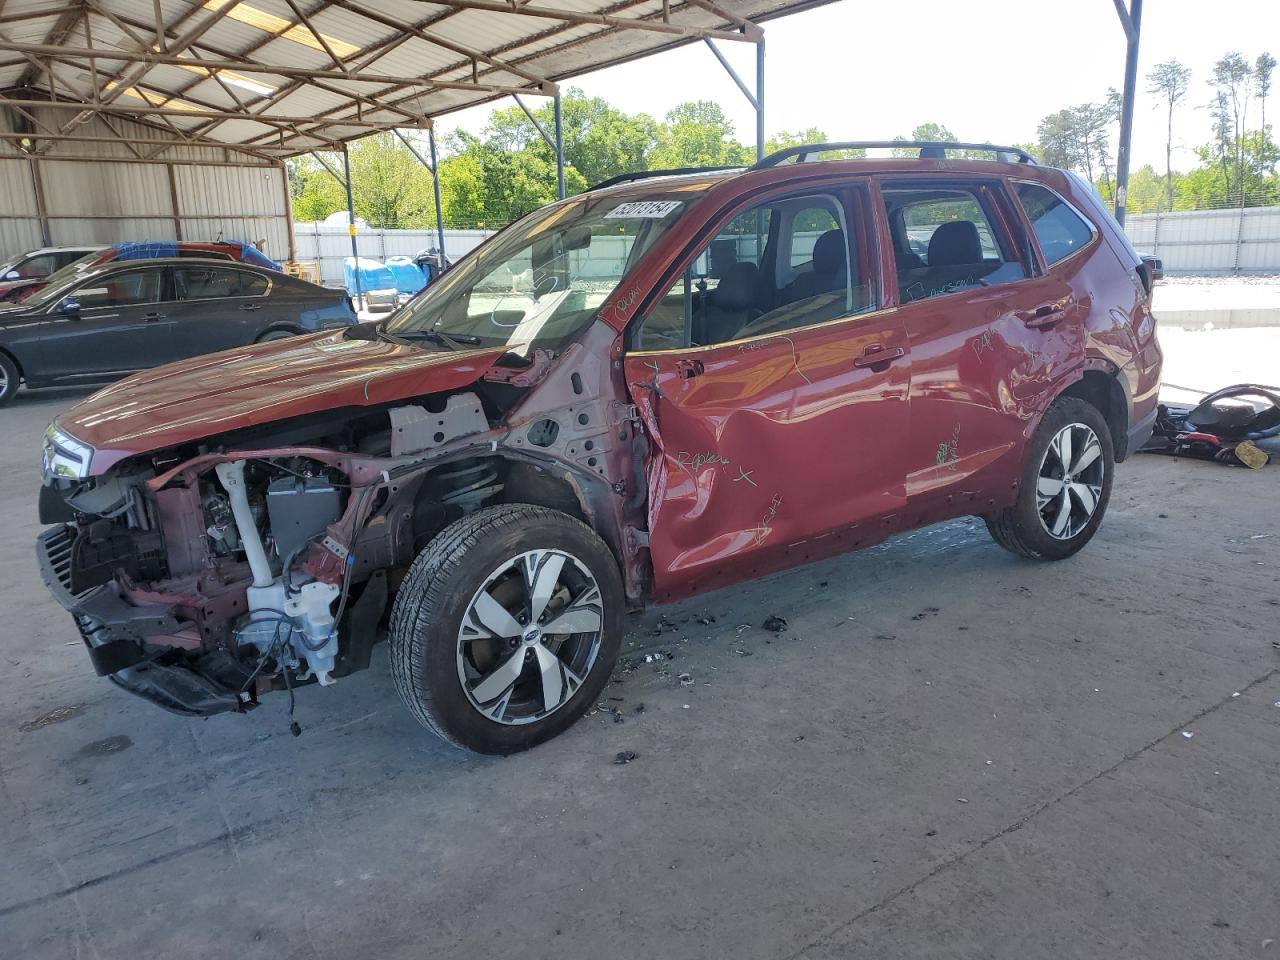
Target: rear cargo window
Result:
[[1060, 230]]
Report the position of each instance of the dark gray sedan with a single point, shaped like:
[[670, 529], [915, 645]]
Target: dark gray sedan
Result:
[[113, 320]]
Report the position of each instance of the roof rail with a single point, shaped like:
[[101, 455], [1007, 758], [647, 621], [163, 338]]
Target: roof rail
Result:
[[929, 149], [646, 174]]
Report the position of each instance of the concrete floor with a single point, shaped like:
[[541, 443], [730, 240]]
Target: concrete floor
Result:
[[950, 752]]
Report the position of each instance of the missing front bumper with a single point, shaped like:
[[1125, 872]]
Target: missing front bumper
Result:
[[115, 632]]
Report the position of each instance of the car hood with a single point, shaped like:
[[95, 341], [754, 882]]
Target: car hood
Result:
[[194, 399]]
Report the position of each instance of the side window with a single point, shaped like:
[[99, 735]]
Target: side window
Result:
[[944, 241], [1060, 230], [38, 267], [774, 267], [215, 283], [127, 288]]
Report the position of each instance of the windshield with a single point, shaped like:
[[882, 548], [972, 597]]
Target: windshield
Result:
[[57, 281], [540, 281]]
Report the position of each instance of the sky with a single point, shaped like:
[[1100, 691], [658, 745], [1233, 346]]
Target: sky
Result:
[[987, 69]]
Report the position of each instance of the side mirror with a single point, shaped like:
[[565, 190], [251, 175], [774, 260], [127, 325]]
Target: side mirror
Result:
[[69, 308], [1155, 267]]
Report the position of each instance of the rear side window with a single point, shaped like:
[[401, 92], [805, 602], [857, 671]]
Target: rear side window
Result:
[[944, 241], [213, 283], [1060, 230]]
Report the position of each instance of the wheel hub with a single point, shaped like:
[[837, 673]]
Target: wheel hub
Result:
[[1070, 481], [530, 635]]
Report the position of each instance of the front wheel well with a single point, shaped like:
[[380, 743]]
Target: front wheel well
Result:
[[1102, 391]]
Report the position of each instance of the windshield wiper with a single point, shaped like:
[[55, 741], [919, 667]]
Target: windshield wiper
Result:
[[451, 341]]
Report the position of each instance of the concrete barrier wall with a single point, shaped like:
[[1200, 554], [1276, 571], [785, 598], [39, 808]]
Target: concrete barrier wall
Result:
[[1210, 243]]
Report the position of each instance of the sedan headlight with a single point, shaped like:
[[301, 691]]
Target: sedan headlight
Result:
[[64, 456]]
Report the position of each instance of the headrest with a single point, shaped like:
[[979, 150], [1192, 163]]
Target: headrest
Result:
[[828, 252], [737, 289], [955, 243]]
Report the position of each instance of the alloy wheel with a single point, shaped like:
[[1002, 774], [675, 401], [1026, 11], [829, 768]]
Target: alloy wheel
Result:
[[530, 636], [1069, 484]]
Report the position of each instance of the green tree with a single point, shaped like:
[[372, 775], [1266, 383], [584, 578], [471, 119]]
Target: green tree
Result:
[[1170, 81], [1262, 70], [698, 134], [923, 131]]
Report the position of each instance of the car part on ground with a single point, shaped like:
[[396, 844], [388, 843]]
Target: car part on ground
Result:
[[1239, 424], [633, 395]]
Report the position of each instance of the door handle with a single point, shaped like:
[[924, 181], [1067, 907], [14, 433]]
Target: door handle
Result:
[[877, 356], [250, 307], [153, 316], [1045, 315]]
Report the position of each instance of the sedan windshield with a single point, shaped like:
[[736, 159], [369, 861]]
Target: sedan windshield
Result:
[[57, 282], [540, 281]]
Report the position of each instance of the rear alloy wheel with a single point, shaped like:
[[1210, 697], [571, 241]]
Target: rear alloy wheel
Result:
[[10, 379], [1069, 485], [1065, 485], [507, 627]]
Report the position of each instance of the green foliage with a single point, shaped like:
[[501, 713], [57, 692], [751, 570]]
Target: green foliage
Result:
[[698, 134]]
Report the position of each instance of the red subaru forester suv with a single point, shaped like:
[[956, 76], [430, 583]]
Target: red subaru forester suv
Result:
[[665, 385]]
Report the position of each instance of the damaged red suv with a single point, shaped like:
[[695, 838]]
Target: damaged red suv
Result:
[[662, 386]]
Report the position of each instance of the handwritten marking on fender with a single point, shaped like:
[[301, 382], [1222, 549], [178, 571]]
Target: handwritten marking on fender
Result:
[[766, 522], [745, 475]]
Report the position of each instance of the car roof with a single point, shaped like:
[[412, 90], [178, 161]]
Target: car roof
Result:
[[73, 248]]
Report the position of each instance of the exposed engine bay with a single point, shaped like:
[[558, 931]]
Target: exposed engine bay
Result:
[[205, 577]]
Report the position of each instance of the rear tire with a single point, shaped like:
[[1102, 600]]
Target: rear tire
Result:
[[277, 335], [475, 650], [1060, 505], [10, 380]]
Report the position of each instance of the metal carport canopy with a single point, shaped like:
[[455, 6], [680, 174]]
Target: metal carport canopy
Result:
[[274, 78]]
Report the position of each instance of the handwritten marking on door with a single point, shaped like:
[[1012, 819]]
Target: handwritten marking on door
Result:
[[745, 475], [766, 522], [983, 343], [949, 450], [696, 461]]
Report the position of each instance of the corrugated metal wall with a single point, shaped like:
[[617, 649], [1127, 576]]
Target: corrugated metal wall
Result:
[[1211, 242], [103, 193], [330, 245]]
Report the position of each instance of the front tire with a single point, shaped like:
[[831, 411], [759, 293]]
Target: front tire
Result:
[[1065, 486], [10, 379], [507, 627]]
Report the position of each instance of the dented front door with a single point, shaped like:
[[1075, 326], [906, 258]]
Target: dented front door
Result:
[[772, 451]]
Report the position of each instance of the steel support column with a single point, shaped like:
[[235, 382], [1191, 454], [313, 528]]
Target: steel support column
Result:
[[755, 99], [435, 186], [559, 148], [760, 100], [1131, 20], [351, 227]]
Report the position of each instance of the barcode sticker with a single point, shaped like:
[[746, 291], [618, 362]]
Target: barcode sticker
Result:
[[643, 210]]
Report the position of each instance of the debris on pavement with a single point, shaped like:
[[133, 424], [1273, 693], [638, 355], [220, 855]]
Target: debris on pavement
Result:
[[625, 757], [774, 623], [1188, 734]]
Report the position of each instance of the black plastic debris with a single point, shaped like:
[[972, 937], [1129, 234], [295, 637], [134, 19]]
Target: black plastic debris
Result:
[[625, 757], [1237, 425], [774, 623]]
